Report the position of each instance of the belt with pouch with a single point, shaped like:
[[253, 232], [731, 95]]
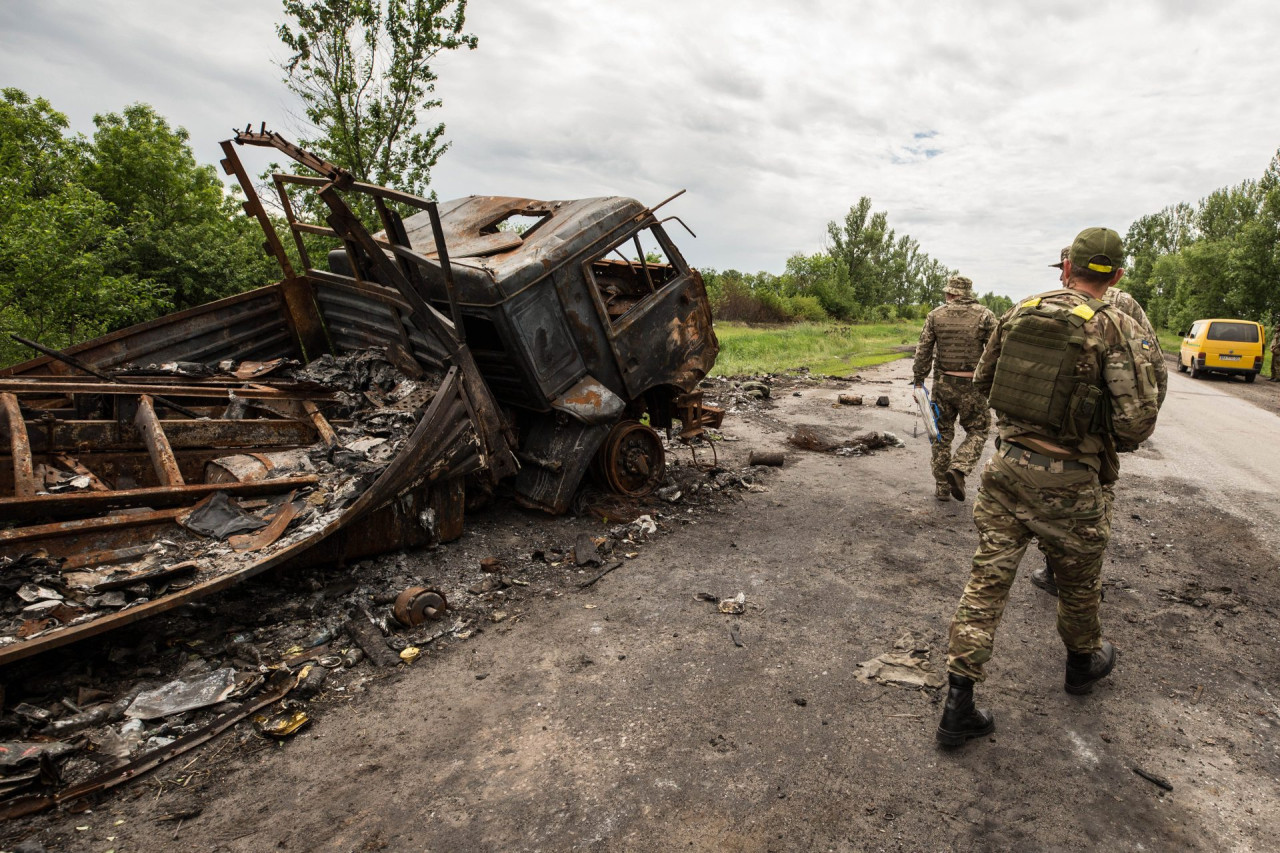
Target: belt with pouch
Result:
[[1016, 452], [948, 377]]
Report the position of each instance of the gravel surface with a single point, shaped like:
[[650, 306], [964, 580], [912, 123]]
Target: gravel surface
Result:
[[633, 715]]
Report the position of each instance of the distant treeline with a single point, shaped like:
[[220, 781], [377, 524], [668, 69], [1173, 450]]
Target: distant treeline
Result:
[[99, 233], [1219, 258], [868, 273]]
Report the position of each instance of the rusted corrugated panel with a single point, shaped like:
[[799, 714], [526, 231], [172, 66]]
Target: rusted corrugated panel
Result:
[[250, 325]]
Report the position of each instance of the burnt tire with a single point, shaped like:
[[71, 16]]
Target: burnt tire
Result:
[[632, 461]]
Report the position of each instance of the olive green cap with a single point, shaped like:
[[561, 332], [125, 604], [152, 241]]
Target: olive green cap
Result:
[[1066, 250], [1097, 249], [959, 285]]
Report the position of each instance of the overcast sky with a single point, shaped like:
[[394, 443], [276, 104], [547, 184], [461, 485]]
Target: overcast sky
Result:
[[991, 132]]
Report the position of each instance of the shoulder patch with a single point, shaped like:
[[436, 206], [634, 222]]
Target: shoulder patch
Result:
[[1084, 311], [1031, 303], [1146, 344]]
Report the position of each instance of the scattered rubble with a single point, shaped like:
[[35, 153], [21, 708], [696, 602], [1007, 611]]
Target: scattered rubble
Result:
[[908, 666], [127, 702], [862, 444]]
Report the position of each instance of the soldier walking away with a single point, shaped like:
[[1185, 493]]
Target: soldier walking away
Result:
[[1043, 576], [956, 332], [1071, 382], [1275, 354]]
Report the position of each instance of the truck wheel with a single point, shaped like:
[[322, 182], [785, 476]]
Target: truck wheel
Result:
[[1249, 377], [632, 459], [1182, 368], [1196, 373]]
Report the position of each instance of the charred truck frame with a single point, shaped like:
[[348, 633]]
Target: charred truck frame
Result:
[[539, 337]]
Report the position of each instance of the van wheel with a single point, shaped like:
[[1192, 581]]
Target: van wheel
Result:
[[1182, 368], [1196, 373], [1249, 377]]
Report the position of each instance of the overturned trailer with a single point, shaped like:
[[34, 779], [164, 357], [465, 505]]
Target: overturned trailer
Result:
[[495, 339], [126, 456]]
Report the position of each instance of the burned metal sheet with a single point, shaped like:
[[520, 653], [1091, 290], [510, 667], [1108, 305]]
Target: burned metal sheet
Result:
[[141, 425]]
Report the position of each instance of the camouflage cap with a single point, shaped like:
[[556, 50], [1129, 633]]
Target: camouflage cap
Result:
[[959, 285], [1097, 249], [1066, 250]]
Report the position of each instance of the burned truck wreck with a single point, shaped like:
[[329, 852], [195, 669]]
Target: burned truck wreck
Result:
[[352, 406], [583, 318]]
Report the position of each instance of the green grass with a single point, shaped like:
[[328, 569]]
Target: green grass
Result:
[[1169, 341], [824, 348]]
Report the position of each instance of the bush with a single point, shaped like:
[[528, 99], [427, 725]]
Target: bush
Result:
[[806, 309]]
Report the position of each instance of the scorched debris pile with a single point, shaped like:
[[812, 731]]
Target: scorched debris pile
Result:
[[352, 405]]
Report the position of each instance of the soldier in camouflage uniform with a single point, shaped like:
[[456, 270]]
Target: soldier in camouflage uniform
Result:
[[1071, 380], [1043, 576], [958, 332]]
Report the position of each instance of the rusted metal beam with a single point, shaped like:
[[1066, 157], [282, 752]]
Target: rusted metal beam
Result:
[[78, 527], [437, 233], [268, 139], [157, 445], [87, 503], [232, 166], [352, 229], [77, 437], [93, 559], [24, 478], [92, 371], [73, 386], [291, 218], [327, 435], [368, 189]]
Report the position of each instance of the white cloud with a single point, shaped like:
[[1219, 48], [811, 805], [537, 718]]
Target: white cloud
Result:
[[991, 132]]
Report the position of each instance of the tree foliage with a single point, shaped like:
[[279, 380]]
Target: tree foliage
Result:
[[868, 272], [1218, 258], [363, 71], [98, 234], [182, 229]]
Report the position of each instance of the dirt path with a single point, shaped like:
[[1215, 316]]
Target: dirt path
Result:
[[625, 716]]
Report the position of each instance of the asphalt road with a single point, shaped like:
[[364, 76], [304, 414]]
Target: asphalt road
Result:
[[1221, 443]]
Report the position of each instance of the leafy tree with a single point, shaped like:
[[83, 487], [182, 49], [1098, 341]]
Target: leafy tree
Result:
[[997, 303], [59, 250], [183, 230], [1220, 257], [363, 71]]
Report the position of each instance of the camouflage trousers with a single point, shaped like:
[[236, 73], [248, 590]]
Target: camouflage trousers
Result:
[[1069, 515], [958, 399]]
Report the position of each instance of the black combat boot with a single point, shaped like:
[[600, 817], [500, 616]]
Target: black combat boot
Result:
[[1086, 670], [955, 479], [960, 719], [1043, 578]]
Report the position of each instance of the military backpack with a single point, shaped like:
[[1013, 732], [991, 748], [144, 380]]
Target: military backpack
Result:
[[1036, 379]]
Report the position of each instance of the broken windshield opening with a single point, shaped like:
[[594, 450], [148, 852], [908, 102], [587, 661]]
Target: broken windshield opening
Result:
[[634, 268]]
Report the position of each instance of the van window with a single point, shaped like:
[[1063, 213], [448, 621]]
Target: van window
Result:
[[1243, 333], [1195, 330]]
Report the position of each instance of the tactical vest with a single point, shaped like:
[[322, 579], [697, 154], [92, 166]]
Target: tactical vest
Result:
[[956, 330], [1036, 380]]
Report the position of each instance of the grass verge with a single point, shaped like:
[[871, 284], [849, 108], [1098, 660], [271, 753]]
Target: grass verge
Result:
[[824, 348]]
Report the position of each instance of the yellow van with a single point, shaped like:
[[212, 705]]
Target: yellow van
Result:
[[1233, 347]]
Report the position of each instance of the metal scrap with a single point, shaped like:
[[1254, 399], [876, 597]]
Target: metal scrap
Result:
[[184, 694]]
